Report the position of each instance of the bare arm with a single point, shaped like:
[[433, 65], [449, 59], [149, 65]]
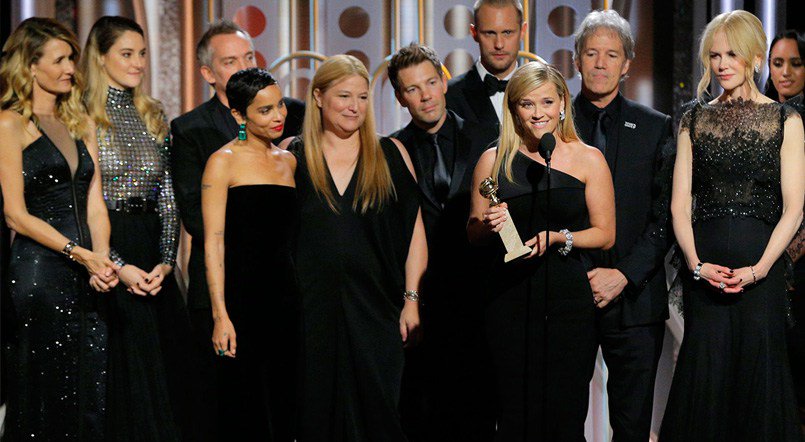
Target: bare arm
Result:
[[214, 187], [415, 264], [15, 139], [484, 220]]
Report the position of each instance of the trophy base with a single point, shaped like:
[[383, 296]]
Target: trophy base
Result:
[[516, 253]]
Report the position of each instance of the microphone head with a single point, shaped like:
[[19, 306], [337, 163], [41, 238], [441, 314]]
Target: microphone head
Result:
[[546, 146]]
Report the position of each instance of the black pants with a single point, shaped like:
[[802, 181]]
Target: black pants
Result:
[[631, 355]]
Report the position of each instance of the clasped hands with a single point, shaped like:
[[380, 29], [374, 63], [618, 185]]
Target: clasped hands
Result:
[[496, 216], [730, 280], [105, 274]]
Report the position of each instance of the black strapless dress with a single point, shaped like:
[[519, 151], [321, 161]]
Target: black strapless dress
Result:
[[542, 382], [55, 329], [258, 387]]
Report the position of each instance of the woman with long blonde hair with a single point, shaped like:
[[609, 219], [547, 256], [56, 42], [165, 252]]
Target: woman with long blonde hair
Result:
[[55, 330], [542, 357], [149, 330], [360, 256], [740, 158]]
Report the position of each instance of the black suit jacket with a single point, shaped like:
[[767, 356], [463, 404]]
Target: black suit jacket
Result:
[[467, 97], [196, 135], [450, 257], [640, 154]]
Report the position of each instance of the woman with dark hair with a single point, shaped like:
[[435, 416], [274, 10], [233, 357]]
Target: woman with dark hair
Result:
[[786, 84], [250, 218], [149, 330], [53, 325], [360, 257], [736, 202]]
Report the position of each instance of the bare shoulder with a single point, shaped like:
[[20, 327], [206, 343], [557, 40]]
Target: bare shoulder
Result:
[[223, 155], [402, 149], [587, 153], [488, 157], [11, 121], [284, 155]]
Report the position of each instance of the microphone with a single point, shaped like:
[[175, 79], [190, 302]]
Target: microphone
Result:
[[546, 146]]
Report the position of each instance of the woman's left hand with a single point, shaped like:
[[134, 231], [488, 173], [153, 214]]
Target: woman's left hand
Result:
[[409, 323], [745, 278], [103, 285], [539, 244], [156, 277]]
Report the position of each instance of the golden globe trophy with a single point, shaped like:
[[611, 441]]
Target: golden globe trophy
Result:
[[508, 233]]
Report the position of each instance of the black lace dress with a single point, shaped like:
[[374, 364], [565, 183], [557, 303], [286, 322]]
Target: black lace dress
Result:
[[54, 326], [732, 379]]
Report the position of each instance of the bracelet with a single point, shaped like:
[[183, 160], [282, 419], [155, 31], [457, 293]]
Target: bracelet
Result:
[[568, 242], [411, 295], [68, 249], [754, 278], [697, 272]]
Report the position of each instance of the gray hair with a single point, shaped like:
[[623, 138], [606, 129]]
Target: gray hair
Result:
[[609, 19], [221, 27]]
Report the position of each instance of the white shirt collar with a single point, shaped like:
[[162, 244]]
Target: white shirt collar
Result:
[[482, 70]]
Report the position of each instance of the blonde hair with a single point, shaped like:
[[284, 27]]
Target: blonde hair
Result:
[[24, 48], [103, 35], [746, 38], [374, 186], [526, 78]]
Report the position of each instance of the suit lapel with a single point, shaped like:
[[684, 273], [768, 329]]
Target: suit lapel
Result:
[[475, 93], [217, 120], [462, 146]]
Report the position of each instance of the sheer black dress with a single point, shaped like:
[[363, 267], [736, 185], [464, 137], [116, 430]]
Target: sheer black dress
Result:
[[257, 392], [55, 326], [542, 381], [732, 378], [351, 272]]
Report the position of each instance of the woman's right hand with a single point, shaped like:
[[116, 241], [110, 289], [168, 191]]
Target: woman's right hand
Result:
[[716, 275], [224, 339], [494, 217], [98, 265], [134, 278]]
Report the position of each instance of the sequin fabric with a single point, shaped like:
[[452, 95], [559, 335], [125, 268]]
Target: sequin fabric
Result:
[[55, 334], [137, 165], [736, 159]]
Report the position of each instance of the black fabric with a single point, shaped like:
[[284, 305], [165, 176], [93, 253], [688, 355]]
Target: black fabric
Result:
[[55, 324], [599, 138], [494, 85], [732, 378], [467, 97], [631, 355], [441, 177], [351, 273], [257, 392], [436, 403], [543, 359]]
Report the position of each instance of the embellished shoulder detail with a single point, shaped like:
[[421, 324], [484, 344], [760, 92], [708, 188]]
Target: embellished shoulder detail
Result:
[[736, 160]]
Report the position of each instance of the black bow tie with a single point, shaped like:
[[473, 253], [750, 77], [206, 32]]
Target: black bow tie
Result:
[[493, 85]]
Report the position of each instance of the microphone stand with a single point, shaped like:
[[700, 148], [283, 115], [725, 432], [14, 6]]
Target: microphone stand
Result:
[[545, 299]]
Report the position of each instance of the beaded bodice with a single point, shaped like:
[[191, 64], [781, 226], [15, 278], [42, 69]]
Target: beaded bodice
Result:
[[135, 165], [736, 159]]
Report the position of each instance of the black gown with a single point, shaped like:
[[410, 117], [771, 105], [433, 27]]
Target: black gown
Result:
[[257, 392], [524, 359], [732, 380], [351, 272], [55, 324]]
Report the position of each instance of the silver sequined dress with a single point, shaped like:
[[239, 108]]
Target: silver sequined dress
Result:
[[145, 332]]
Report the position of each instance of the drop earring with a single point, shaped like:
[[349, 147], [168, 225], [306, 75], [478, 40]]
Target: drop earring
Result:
[[562, 115], [242, 132], [757, 68]]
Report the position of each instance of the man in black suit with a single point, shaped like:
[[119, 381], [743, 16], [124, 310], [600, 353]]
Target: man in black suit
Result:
[[443, 394], [477, 95], [628, 281], [223, 50]]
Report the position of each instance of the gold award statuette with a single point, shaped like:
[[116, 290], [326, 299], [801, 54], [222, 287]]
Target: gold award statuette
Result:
[[511, 239]]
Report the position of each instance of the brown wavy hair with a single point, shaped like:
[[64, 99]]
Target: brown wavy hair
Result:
[[24, 48]]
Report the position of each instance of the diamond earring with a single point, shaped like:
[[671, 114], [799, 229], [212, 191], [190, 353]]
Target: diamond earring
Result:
[[562, 115]]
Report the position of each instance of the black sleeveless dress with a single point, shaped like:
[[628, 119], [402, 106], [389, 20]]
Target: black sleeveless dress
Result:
[[732, 380], [542, 381], [351, 269], [55, 327], [258, 388]]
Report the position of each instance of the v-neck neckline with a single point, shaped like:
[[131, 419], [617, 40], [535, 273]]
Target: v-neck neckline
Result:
[[349, 183], [73, 174]]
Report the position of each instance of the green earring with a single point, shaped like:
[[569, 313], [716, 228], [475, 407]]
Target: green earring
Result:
[[242, 132]]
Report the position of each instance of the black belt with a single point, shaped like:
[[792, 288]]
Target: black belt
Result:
[[132, 205]]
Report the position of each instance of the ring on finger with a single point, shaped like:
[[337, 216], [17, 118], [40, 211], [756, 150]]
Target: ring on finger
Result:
[[221, 352], [722, 286]]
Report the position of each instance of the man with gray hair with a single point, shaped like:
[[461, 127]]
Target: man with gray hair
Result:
[[628, 281], [223, 50]]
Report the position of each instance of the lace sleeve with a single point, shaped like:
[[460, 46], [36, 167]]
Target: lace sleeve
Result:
[[168, 214]]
